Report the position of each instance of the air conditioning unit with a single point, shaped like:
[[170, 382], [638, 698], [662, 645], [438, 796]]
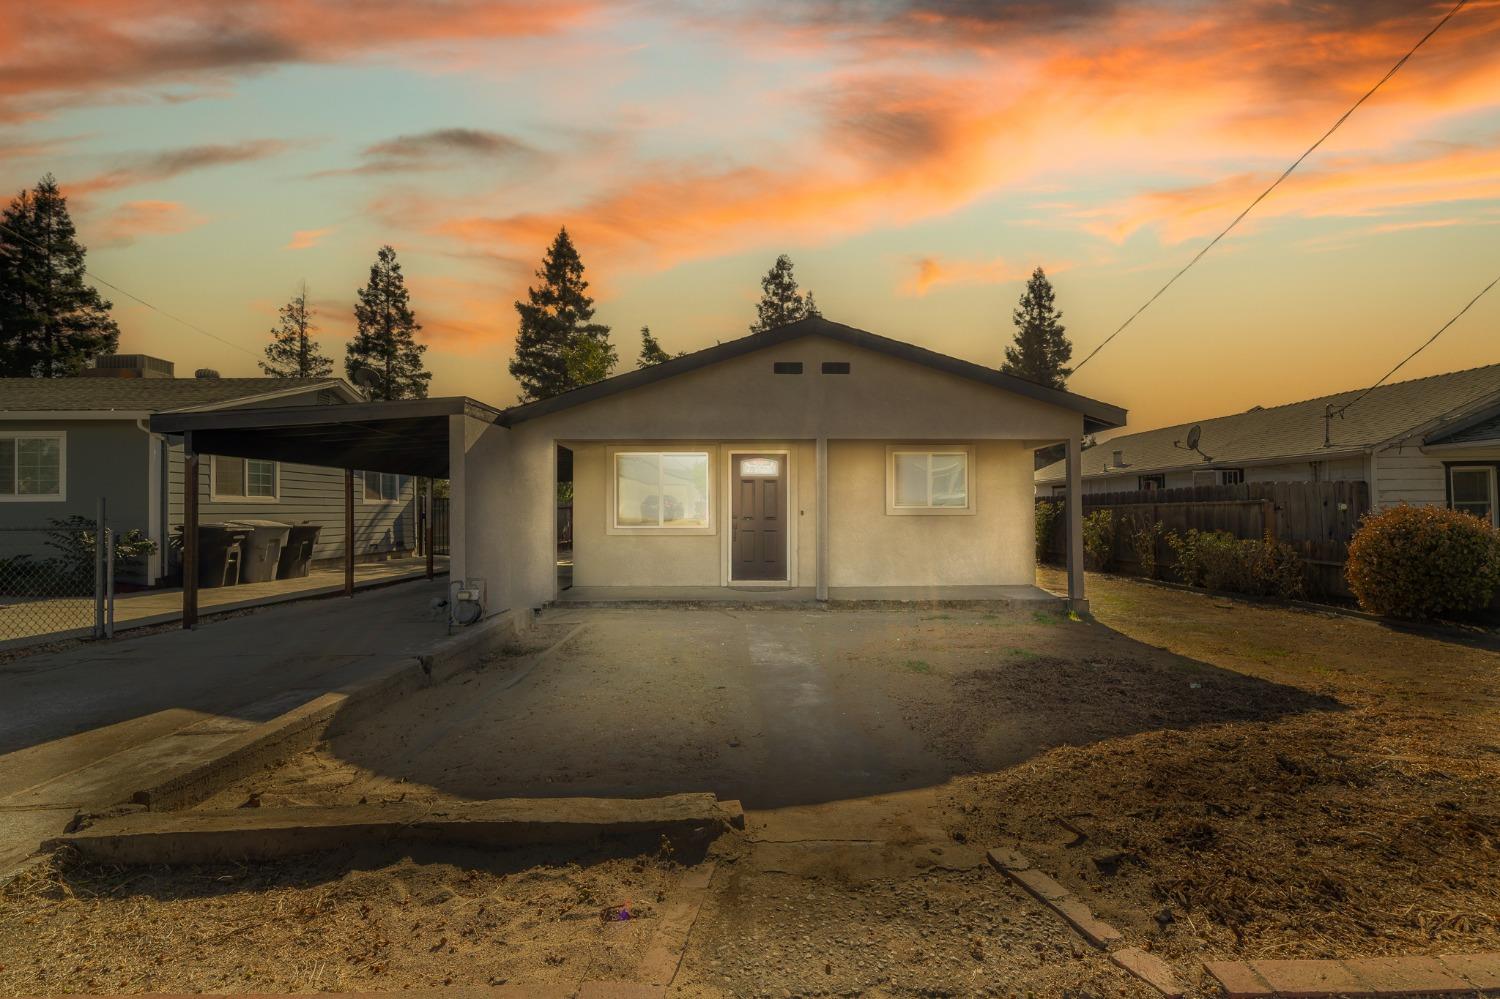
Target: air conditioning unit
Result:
[[466, 600]]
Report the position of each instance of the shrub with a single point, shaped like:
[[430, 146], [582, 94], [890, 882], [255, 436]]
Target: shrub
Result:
[[1276, 569], [74, 541], [1143, 542], [1047, 513], [1421, 562], [1218, 561], [1099, 539]]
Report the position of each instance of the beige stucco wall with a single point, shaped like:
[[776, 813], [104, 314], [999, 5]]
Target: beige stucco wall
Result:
[[869, 547]]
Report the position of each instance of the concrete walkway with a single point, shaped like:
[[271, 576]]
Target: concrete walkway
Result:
[[77, 727], [38, 622], [1009, 596]]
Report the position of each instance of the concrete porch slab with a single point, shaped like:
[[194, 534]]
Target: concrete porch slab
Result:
[[1031, 597]]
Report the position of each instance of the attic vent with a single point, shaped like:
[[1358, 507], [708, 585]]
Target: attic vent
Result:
[[205, 373], [835, 367], [787, 367]]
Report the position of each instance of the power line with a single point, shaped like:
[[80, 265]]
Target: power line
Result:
[[136, 298], [1330, 411], [1277, 182]]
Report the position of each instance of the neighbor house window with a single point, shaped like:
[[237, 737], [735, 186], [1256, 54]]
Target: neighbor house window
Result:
[[663, 489], [1471, 488], [382, 487], [31, 466], [1148, 483], [1232, 476], [928, 481], [242, 478]]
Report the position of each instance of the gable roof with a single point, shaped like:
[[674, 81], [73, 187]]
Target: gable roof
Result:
[[1097, 415], [153, 395], [1484, 428], [1295, 430]]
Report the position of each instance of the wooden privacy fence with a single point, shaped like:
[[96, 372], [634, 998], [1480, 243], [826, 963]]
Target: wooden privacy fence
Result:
[[1316, 518]]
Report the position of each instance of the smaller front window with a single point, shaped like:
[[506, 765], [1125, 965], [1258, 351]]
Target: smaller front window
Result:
[[1471, 488], [243, 478], [929, 480]]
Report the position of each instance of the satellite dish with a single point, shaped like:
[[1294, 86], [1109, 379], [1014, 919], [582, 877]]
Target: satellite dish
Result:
[[364, 376], [1194, 435]]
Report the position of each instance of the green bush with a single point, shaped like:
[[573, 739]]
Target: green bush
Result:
[[74, 541], [1047, 513], [1099, 539], [1143, 541], [1220, 562], [1422, 562]]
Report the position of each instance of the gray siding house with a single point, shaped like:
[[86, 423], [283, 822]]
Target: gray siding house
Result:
[[1428, 442], [65, 442]]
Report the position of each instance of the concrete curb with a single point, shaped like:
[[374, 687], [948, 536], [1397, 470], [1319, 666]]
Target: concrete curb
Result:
[[258, 834], [1359, 978], [303, 727]]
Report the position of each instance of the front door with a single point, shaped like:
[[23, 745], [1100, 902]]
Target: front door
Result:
[[758, 509]]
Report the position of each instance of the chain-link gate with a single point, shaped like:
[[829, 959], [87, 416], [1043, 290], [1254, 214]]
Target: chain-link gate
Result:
[[56, 581]]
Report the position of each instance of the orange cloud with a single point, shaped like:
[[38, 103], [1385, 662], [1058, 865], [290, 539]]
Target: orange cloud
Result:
[[306, 239], [135, 219], [932, 272], [171, 163]]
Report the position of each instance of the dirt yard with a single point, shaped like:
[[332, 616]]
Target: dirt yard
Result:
[[1215, 778]]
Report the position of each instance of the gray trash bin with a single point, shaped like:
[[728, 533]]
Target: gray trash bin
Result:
[[296, 557], [221, 554], [262, 548]]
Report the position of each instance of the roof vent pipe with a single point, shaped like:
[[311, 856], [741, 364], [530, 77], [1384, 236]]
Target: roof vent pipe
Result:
[[205, 373]]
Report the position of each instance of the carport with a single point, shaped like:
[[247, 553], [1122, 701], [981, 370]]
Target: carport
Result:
[[406, 437]]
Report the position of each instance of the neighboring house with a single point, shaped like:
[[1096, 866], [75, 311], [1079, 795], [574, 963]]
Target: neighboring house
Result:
[[65, 442], [1429, 441]]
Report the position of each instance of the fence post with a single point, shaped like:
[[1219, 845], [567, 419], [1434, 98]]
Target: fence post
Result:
[[1268, 518], [99, 569], [109, 581]]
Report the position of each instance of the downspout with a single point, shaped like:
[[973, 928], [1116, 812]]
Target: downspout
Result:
[[156, 493]]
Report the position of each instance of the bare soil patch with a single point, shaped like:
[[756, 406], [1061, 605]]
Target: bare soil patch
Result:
[[352, 924]]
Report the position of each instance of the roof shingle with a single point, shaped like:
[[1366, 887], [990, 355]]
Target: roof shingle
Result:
[[137, 394]]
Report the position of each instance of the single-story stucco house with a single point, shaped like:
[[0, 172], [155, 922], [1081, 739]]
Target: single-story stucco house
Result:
[[814, 457], [1427, 441], [66, 442]]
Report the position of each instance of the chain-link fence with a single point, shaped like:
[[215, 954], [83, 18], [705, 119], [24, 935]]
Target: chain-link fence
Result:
[[53, 581]]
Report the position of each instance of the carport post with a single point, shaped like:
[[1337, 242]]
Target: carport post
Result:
[[1077, 600], [348, 532], [189, 532], [821, 519], [427, 527]]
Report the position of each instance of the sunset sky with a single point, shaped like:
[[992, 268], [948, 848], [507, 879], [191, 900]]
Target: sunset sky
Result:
[[916, 158]]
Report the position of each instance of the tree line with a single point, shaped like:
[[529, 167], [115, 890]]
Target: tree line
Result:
[[53, 323]]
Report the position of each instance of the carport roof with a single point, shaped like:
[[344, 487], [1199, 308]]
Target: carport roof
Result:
[[407, 437]]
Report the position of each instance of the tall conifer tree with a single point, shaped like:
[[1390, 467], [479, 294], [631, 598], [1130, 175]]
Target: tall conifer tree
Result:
[[558, 345], [292, 352], [385, 344], [780, 301], [52, 323], [1041, 350], [651, 351]]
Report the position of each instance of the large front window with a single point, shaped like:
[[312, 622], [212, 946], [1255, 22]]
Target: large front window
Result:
[[31, 466], [1471, 488], [667, 489], [928, 481], [243, 478]]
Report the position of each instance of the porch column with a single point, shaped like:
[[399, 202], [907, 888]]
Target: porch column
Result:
[[427, 528], [189, 533], [822, 518], [1077, 600], [348, 532]]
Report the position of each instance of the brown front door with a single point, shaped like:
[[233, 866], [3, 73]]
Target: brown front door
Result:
[[758, 509]]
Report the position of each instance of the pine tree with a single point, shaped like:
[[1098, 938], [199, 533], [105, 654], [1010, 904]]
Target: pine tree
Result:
[[51, 322], [812, 306], [651, 352], [1041, 351], [780, 302], [292, 352], [384, 343], [552, 356]]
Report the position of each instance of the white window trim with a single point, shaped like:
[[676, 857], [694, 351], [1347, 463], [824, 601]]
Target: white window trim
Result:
[[892, 510], [213, 481], [1493, 476], [612, 510], [61, 496], [366, 500]]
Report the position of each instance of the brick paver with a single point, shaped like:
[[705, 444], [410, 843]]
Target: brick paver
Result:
[[1238, 979], [1480, 970], [1400, 975], [1150, 969]]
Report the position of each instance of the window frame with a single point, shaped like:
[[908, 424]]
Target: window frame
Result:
[[1158, 478], [612, 508], [1225, 473], [364, 487], [61, 496], [213, 481], [1493, 474], [893, 510]]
